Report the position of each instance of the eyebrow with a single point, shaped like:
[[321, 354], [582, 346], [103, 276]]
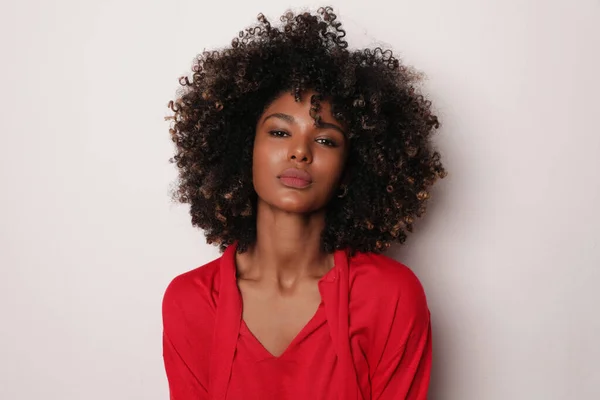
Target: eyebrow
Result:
[[291, 120]]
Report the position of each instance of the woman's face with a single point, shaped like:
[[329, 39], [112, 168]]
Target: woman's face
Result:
[[296, 165]]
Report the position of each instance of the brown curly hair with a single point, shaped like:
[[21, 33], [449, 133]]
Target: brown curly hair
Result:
[[391, 163]]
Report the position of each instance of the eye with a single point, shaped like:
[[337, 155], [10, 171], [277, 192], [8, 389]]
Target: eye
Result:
[[278, 133], [327, 142]]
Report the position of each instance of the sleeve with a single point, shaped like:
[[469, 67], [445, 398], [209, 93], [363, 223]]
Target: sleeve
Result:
[[404, 365], [182, 356], [183, 384]]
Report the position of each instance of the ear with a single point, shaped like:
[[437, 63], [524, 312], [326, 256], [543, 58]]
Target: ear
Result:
[[345, 179]]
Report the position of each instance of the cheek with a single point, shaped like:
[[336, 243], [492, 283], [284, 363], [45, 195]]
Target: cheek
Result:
[[332, 167], [261, 157], [265, 161]]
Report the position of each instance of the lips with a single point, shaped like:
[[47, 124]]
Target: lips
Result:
[[295, 178], [296, 173]]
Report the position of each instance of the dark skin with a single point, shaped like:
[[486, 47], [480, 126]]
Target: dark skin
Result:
[[278, 275]]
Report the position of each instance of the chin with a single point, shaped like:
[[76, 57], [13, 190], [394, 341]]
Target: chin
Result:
[[295, 203], [298, 207]]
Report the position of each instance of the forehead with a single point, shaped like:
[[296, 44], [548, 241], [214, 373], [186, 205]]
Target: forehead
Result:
[[286, 103]]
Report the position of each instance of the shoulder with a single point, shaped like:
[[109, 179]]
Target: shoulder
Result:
[[192, 295], [382, 278], [387, 304], [188, 316]]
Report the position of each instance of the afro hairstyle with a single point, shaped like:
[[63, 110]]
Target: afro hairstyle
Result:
[[391, 163]]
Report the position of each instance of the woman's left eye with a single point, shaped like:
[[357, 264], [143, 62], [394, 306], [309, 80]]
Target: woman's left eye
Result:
[[327, 142]]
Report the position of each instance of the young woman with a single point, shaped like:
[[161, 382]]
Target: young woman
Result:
[[303, 161]]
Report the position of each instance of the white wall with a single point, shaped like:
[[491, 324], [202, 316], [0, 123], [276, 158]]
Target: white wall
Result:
[[509, 252]]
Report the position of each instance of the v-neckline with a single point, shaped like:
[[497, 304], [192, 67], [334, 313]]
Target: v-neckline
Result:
[[334, 288], [315, 322], [318, 318]]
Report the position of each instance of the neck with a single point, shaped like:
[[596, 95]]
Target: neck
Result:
[[287, 248]]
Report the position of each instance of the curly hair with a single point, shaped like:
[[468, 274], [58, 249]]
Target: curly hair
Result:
[[391, 163]]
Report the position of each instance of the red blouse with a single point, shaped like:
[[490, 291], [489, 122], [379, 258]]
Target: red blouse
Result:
[[369, 339]]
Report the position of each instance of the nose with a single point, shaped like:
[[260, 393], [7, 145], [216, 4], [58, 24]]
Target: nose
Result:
[[300, 151]]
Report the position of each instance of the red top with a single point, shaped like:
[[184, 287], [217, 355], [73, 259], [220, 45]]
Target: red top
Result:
[[370, 338]]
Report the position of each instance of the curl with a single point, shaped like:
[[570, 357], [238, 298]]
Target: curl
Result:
[[392, 163]]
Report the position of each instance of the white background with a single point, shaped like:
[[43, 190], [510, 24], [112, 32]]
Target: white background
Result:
[[508, 252]]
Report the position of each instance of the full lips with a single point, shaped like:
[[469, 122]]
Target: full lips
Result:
[[296, 182], [296, 173]]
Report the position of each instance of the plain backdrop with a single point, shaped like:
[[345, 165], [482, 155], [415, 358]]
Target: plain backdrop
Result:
[[508, 252]]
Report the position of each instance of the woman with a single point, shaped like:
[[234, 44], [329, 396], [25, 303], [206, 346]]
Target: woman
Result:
[[303, 161]]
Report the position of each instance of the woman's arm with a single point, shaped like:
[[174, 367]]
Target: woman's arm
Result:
[[183, 383], [188, 323], [404, 373], [402, 360]]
